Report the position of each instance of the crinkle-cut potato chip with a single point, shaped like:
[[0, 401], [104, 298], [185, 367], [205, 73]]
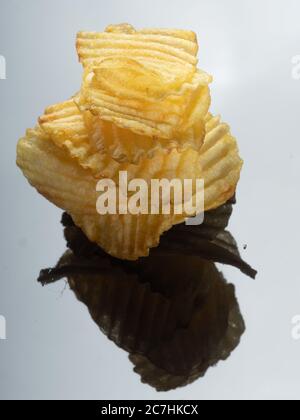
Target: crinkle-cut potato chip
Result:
[[94, 141], [143, 109], [66, 126], [62, 181], [72, 187], [124, 145], [63, 122], [146, 82], [131, 95], [162, 46]]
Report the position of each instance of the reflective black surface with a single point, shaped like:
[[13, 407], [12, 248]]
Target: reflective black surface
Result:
[[173, 312]]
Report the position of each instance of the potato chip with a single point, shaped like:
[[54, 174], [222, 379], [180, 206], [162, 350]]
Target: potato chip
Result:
[[62, 180], [126, 93], [90, 139], [142, 109], [146, 82], [219, 163], [66, 126], [63, 122], [147, 45], [125, 145], [218, 155]]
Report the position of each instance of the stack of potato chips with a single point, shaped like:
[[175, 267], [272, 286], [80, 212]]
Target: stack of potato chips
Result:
[[143, 107]]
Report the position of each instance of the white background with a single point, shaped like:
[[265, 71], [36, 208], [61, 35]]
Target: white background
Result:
[[53, 349]]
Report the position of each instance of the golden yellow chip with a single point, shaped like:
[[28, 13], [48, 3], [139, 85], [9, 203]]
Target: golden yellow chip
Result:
[[219, 163], [62, 180], [128, 145], [145, 82], [67, 127], [126, 93], [148, 45], [142, 110], [94, 142]]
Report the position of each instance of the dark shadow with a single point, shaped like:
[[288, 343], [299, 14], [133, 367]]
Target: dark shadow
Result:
[[173, 312]]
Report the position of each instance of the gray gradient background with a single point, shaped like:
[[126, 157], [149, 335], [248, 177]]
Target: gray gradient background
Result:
[[53, 349]]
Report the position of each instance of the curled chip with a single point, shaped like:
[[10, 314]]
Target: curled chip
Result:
[[118, 91], [72, 187], [66, 126], [123, 145], [145, 82], [218, 158], [76, 132], [147, 45], [61, 180]]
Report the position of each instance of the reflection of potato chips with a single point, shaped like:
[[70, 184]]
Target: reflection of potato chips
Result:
[[68, 185]]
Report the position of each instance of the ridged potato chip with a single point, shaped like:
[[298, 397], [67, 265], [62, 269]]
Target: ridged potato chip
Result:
[[94, 142], [125, 92], [145, 82], [62, 180], [142, 109], [74, 131], [147, 45], [218, 156], [124, 145], [66, 126]]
